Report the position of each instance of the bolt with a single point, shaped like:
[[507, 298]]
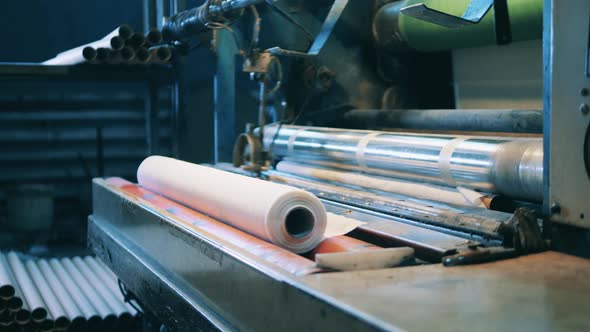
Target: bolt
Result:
[[585, 92], [585, 109], [555, 209]]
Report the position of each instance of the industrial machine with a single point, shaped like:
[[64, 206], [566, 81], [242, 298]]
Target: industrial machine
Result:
[[460, 129]]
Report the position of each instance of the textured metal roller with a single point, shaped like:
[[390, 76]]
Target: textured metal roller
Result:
[[513, 167]]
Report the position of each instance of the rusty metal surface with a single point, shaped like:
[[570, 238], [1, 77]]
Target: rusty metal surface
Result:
[[541, 292]]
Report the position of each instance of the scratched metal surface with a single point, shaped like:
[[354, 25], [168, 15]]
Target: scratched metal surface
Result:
[[542, 292]]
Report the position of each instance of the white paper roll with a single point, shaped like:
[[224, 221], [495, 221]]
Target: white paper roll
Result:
[[288, 217]]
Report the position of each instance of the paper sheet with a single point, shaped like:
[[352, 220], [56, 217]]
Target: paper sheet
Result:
[[340, 225]]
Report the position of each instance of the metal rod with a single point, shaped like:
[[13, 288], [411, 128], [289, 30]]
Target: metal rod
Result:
[[512, 167], [186, 24], [73, 313], [419, 190], [510, 121], [97, 301], [78, 296], [109, 280], [6, 283], [30, 292], [56, 311], [109, 298]]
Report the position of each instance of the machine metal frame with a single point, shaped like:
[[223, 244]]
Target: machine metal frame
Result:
[[566, 113]]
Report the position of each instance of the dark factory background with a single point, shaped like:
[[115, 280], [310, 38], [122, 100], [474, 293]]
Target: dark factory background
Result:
[[57, 134]]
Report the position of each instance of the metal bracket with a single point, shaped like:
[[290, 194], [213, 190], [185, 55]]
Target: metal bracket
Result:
[[322, 37], [474, 13]]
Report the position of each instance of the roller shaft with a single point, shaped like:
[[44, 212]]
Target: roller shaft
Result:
[[511, 121], [513, 167], [185, 24]]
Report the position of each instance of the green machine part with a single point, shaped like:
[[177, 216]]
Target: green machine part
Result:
[[394, 30]]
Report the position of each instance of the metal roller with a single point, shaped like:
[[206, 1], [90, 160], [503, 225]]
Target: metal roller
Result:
[[509, 121], [513, 167], [184, 25]]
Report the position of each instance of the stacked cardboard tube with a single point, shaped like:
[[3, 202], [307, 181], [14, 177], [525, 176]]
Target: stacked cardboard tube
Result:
[[67, 294], [122, 46]]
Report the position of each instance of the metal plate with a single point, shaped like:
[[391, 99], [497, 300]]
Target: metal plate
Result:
[[567, 186], [180, 275]]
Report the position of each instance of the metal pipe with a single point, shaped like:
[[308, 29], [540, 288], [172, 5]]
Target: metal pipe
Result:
[[109, 298], [109, 280], [396, 32], [512, 167], [56, 311], [97, 301], [77, 294], [30, 292], [510, 121], [72, 312], [184, 25], [6, 283], [408, 188]]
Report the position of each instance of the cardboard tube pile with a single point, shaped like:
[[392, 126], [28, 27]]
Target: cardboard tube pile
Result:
[[288, 217]]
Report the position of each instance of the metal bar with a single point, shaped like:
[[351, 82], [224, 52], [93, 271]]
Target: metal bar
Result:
[[225, 96], [186, 24], [512, 167], [566, 105], [73, 313], [55, 309], [77, 294], [429, 192], [410, 210], [510, 121], [30, 292], [152, 121]]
